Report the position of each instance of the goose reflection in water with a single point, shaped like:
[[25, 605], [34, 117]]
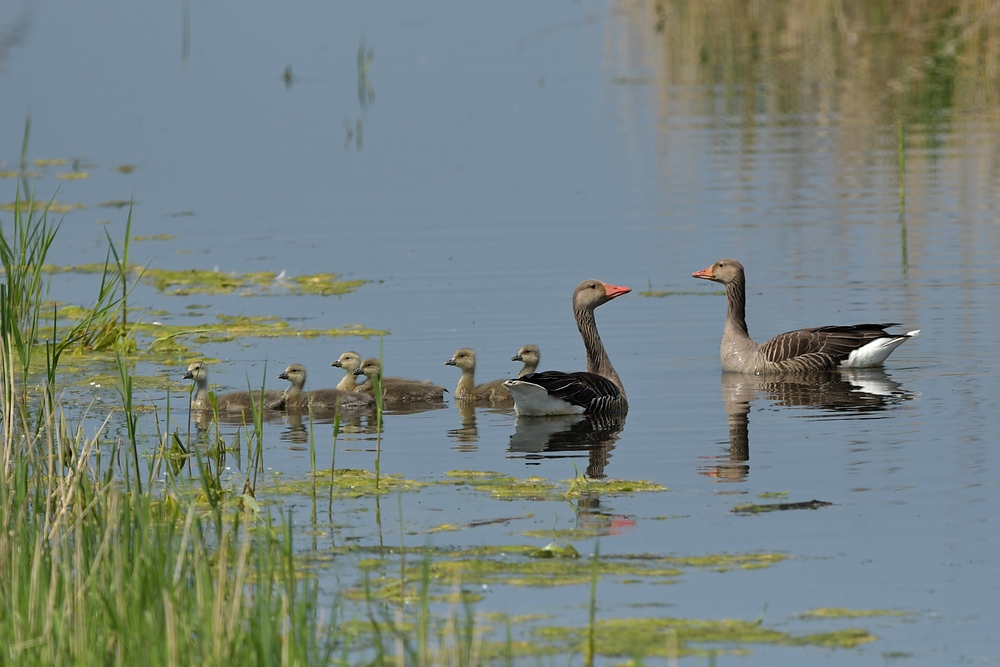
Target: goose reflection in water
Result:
[[568, 435], [468, 433], [852, 394]]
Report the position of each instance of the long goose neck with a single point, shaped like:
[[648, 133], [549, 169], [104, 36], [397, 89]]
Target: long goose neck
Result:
[[597, 357], [736, 295], [466, 384], [295, 390], [200, 392], [348, 382]]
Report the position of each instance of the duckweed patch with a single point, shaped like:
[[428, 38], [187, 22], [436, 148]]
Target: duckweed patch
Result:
[[261, 283], [505, 487], [197, 281], [154, 237], [527, 570], [348, 483], [719, 562], [36, 205], [670, 637], [660, 294], [754, 508], [839, 612]]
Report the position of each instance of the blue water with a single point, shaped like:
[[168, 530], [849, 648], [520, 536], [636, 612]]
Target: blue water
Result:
[[508, 153]]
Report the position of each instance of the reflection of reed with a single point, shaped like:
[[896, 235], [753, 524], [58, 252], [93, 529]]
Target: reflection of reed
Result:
[[864, 59], [823, 86], [549, 437], [854, 393]]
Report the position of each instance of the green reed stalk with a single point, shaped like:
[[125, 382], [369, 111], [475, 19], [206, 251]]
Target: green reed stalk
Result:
[[131, 419], [377, 391], [588, 656], [333, 457]]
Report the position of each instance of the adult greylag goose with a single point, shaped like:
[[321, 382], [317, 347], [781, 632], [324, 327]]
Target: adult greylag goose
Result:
[[817, 349], [235, 401], [296, 398], [530, 355], [598, 390], [397, 390], [489, 392], [350, 361]]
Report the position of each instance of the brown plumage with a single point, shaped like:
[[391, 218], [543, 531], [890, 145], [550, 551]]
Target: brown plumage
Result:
[[234, 401], [398, 390], [816, 349], [320, 399], [598, 389], [490, 392]]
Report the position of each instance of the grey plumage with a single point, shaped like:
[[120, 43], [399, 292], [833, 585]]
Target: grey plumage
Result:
[[803, 350]]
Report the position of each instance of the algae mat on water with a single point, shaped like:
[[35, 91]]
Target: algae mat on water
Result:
[[346, 483], [197, 281], [396, 577]]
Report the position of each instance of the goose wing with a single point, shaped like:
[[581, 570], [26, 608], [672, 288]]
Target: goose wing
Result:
[[589, 391], [820, 347]]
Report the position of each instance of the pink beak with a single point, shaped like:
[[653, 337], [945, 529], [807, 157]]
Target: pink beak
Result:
[[704, 273], [614, 290]]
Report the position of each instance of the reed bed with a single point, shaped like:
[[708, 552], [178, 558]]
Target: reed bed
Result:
[[130, 550]]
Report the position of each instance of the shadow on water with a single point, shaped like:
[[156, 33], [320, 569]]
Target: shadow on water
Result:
[[837, 395], [538, 438]]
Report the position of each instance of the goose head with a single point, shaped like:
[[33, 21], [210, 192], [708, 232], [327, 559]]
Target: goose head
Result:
[[464, 359], [370, 368], [529, 354], [592, 293], [296, 374], [196, 371], [350, 361], [724, 271]]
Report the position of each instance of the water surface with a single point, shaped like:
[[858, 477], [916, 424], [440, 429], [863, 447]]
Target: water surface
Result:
[[508, 153]]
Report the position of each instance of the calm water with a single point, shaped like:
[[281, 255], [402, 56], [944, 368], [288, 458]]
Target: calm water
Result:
[[509, 152]]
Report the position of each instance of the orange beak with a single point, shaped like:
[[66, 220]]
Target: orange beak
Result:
[[704, 273], [614, 290]]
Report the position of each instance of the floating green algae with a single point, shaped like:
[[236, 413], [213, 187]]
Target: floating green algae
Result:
[[518, 566], [153, 237], [676, 637], [51, 206], [718, 562], [197, 281], [839, 612], [660, 294], [754, 508], [153, 334], [506, 487], [348, 483]]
